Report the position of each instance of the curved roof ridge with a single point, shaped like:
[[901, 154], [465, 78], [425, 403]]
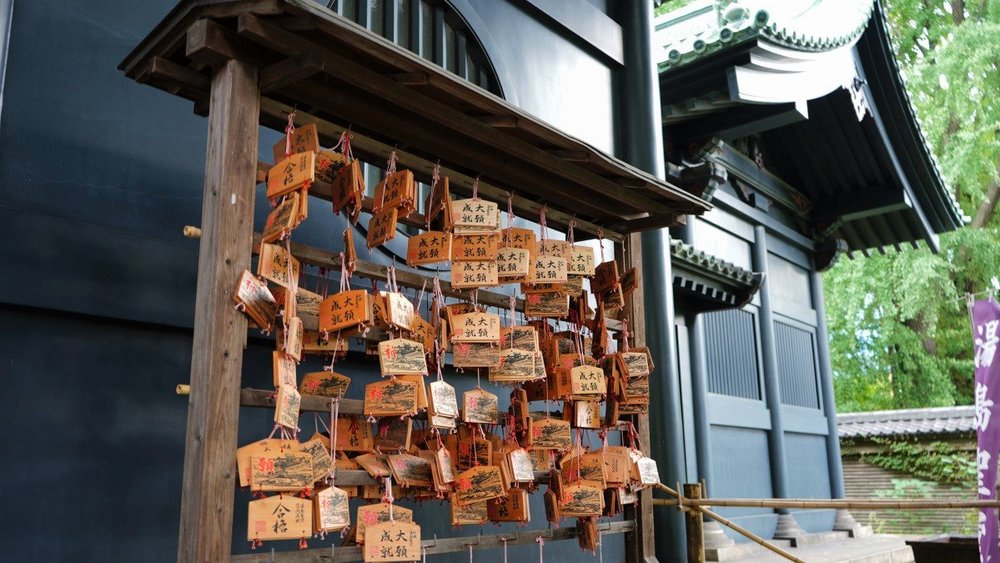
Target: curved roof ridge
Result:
[[808, 25]]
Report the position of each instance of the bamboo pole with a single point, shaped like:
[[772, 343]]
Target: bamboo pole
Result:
[[725, 522], [914, 504]]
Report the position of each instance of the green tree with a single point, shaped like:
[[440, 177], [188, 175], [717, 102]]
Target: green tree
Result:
[[899, 328]]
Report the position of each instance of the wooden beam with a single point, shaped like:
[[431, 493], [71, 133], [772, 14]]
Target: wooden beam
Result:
[[411, 78], [289, 71], [445, 117], [209, 43], [640, 545], [371, 149], [220, 331], [437, 545]]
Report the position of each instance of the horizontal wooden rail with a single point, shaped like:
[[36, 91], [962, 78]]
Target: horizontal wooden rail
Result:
[[850, 504], [370, 270], [438, 545], [725, 522]]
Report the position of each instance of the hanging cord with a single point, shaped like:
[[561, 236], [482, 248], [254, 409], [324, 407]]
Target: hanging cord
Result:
[[435, 178], [510, 216], [334, 418], [600, 242], [344, 144], [569, 231], [475, 188], [289, 131], [541, 222], [387, 497], [625, 335]]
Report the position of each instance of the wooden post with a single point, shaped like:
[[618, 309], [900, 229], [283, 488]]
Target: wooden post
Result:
[[695, 526], [639, 545], [220, 331]]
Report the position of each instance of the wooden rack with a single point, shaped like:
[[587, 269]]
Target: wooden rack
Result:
[[250, 62]]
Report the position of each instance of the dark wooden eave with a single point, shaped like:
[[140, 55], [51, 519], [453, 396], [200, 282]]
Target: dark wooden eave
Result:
[[336, 72]]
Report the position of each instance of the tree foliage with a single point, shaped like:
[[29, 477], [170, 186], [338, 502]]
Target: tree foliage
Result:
[[899, 328]]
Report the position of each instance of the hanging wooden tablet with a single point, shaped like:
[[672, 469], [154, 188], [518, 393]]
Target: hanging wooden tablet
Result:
[[307, 305], [422, 332], [374, 514], [291, 173], [382, 227], [260, 448], [581, 261], [515, 365], [646, 472], [397, 190], [477, 214], [392, 541], [540, 372], [445, 465], [548, 269], [472, 514], [478, 247], [279, 517], [475, 355], [573, 286], [442, 399], [293, 339], [612, 298], [582, 498], [520, 465], [481, 407], [273, 264], [549, 433], [546, 305], [286, 407], [432, 247], [394, 434], [377, 465], [638, 362], [555, 248], [284, 369], [551, 502], [303, 208], [401, 356], [392, 397], [605, 277], [520, 409], [331, 510], [324, 384], [303, 139], [479, 484], [617, 466], [473, 451], [587, 380], [328, 164], [475, 327], [320, 458], [515, 237], [288, 470], [400, 310], [346, 192], [255, 300], [410, 470], [354, 434], [588, 537], [282, 219], [523, 337], [313, 342], [421, 389], [512, 262], [512, 507], [587, 414], [344, 310], [465, 275]]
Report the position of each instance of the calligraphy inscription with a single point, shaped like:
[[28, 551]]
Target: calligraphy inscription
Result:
[[280, 517]]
